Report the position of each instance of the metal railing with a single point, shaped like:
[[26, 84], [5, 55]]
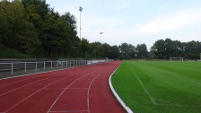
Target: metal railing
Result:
[[20, 68]]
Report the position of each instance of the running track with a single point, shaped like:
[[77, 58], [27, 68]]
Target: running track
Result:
[[76, 90]]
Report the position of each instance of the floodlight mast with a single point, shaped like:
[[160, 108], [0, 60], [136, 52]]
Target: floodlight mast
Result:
[[80, 9], [101, 36]]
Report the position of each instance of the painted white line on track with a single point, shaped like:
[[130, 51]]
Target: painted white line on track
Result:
[[35, 93], [30, 74], [70, 111], [31, 77], [25, 85], [35, 75], [146, 91], [117, 96], [53, 88], [88, 102], [78, 88], [49, 110]]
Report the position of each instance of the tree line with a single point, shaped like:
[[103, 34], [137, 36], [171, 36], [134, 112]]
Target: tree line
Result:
[[33, 27], [164, 49]]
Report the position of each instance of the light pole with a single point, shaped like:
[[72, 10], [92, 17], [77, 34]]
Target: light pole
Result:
[[100, 36], [80, 21]]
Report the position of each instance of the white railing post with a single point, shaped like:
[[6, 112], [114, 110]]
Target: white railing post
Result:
[[36, 66], [51, 65], [25, 67], [44, 65], [11, 68]]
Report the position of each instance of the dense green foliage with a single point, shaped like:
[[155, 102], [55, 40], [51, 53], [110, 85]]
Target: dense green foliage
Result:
[[164, 49], [31, 27], [159, 87]]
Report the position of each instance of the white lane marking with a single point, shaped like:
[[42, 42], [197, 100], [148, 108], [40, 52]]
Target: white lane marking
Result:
[[36, 92], [25, 86], [49, 110], [32, 82], [146, 91], [88, 101], [30, 77], [70, 111]]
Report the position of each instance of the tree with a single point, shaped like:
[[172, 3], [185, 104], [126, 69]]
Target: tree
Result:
[[4, 25], [127, 51], [192, 50], [96, 50], [131, 51], [70, 24], [17, 33], [174, 48], [106, 48], [56, 33], [85, 48], [142, 51], [114, 52], [158, 49], [124, 50]]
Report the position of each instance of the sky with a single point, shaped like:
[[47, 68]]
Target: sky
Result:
[[134, 21]]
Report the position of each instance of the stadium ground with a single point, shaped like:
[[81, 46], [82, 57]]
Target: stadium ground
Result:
[[159, 87], [77, 90]]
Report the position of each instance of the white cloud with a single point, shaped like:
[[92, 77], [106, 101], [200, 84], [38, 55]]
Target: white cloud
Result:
[[171, 22]]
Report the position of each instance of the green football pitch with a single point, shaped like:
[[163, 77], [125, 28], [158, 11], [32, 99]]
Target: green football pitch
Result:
[[159, 86]]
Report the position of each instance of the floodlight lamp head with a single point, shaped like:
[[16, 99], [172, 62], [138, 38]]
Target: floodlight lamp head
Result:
[[80, 9]]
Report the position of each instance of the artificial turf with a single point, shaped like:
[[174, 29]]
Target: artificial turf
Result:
[[159, 86]]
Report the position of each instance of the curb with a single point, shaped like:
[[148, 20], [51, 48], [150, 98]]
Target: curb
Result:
[[117, 96]]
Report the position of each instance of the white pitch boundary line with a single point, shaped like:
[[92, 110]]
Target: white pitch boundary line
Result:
[[167, 103], [117, 96], [152, 99], [146, 91], [176, 105]]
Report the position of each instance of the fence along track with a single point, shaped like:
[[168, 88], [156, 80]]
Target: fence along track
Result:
[[11, 69]]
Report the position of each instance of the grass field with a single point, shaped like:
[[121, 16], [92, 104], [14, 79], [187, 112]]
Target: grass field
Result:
[[159, 87]]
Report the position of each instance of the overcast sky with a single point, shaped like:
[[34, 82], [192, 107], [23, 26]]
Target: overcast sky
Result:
[[134, 21]]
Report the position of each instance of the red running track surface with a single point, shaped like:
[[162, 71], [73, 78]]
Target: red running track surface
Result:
[[77, 90]]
